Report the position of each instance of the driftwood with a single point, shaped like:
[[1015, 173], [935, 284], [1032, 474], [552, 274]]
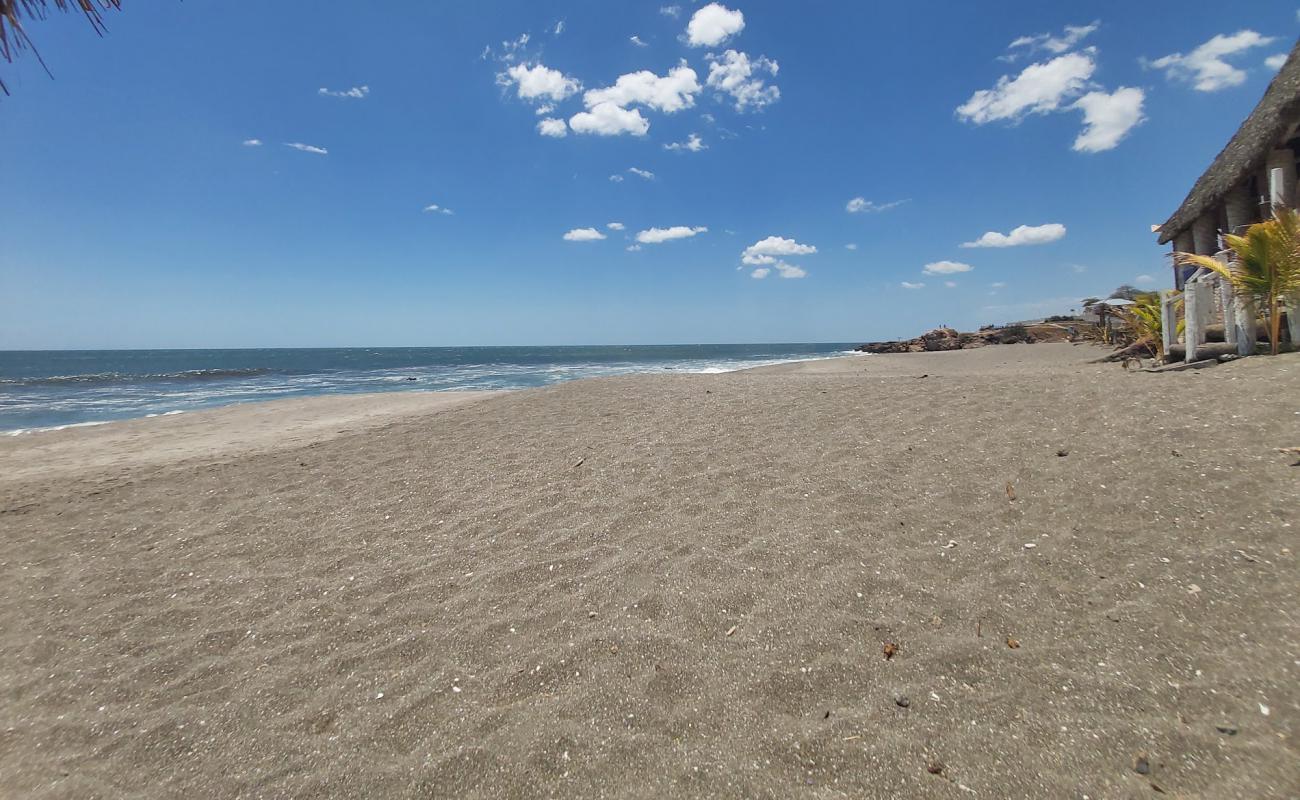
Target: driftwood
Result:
[[1135, 350], [1178, 352]]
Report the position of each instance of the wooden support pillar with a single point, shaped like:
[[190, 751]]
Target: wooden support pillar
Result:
[[1293, 320], [1238, 206], [1240, 210], [1281, 187], [1183, 243], [1244, 309], [1191, 320], [1228, 300], [1168, 319], [1205, 234]]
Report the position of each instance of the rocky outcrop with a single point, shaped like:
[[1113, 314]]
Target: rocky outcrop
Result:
[[950, 339]]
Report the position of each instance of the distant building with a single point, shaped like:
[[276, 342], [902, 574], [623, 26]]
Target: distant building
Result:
[[1237, 188]]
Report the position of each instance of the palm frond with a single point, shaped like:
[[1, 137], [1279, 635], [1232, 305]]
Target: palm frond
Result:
[[14, 38], [1265, 266], [1146, 322]]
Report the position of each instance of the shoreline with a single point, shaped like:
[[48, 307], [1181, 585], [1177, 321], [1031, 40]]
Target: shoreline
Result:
[[253, 426], [342, 392], [30, 431]]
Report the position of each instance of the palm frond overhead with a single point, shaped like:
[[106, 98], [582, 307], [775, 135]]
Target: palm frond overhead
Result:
[[13, 36]]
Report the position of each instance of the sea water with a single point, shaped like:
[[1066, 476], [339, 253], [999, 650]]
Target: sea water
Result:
[[40, 390]]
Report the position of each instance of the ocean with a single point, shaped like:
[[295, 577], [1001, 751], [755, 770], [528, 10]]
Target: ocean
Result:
[[41, 390]]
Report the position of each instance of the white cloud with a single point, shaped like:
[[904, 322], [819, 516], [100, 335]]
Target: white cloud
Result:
[[355, 93], [559, 28], [553, 127], [766, 251], [544, 109], [642, 173], [1022, 235], [735, 74], [616, 178], [1038, 89], [1056, 45], [1275, 62], [668, 93], [307, 148], [437, 209], [861, 205], [510, 49], [1144, 279], [607, 111], [950, 284], [539, 81], [633, 248], [671, 11], [760, 273], [850, 246], [1108, 118], [608, 119], [636, 40], [789, 270], [252, 143], [615, 226], [583, 235], [660, 235], [998, 284], [693, 143], [1205, 66], [712, 25], [946, 268], [910, 285]]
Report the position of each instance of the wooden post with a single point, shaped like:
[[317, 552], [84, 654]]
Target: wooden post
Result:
[[1293, 320], [1191, 320], [1183, 243], [1245, 313], [1281, 187], [1205, 235], [1240, 210], [1168, 319], [1229, 311]]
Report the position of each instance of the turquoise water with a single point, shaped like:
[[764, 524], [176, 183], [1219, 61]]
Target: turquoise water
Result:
[[51, 389]]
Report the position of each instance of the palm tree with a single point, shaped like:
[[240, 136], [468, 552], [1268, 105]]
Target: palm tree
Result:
[[1265, 267], [1144, 320], [14, 38]]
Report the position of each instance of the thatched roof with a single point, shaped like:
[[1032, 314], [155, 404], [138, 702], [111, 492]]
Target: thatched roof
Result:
[[1248, 149]]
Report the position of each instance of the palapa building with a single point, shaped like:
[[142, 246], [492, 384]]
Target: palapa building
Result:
[[1253, 173]]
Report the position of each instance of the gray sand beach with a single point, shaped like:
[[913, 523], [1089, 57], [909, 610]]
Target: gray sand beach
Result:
[[999, 573]]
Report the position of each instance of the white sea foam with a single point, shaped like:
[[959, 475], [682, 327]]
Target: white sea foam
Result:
[[68, 402], [25, 431]]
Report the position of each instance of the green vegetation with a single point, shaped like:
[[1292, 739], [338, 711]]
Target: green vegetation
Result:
[[1144, 322], [1266, 266]]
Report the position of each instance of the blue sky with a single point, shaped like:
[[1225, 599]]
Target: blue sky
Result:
[[134, 214]]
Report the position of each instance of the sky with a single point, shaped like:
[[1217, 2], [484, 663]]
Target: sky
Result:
[[592, 172]]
